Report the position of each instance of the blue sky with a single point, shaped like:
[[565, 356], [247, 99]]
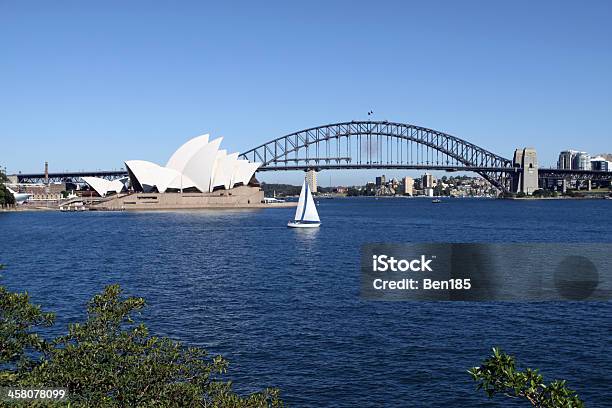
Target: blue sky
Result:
[[88, 85]]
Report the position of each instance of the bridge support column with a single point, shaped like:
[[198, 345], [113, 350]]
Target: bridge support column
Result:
[[527, 160]]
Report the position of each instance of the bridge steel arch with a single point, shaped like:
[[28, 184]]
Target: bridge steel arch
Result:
[[380, 144]]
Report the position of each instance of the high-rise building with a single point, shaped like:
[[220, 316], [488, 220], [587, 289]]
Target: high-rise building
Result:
[[311, 179], [574, 160], [380, 181], [409, 186], [582, 161], [566, 159], [600, 164], [428, 181]]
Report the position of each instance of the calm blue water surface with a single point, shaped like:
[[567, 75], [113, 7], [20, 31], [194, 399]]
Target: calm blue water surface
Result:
[[283, 305]]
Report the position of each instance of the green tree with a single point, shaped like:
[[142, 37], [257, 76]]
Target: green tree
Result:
[[353, 192], [498, 375], [6, 197], [111, 360], [20, 343]]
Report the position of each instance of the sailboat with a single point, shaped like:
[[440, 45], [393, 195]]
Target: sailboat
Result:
[[306, 215]]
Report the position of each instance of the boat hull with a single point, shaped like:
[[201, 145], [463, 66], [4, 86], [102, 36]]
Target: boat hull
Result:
[[292, 224]]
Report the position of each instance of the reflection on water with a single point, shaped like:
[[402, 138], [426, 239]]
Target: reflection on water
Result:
[[305, 236]]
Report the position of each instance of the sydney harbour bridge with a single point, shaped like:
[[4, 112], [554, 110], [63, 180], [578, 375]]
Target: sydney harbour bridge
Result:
[[385, 145]]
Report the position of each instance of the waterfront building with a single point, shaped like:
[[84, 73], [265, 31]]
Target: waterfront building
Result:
[[198, 175], [408, 186], [342, 190], [428, 181], [380, 181], [197, 166], [600, 164], [44, 192], [311, 179], [574, 160], [566, 159], [582, 161]]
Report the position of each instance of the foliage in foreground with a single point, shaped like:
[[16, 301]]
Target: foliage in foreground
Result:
[[18, 320], [111, 359], [498, 375]]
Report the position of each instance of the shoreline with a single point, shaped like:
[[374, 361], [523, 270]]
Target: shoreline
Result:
[[287, 204], [558, 198]]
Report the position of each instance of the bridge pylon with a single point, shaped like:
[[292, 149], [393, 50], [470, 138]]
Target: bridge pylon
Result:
[[526, 179]]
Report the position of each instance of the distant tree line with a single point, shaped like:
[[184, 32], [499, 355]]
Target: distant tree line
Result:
[[284, 190], [111, 359], [542, 193], [280, 189], [354, 192]]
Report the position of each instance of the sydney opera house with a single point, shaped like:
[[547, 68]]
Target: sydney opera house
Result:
[[198, 175]]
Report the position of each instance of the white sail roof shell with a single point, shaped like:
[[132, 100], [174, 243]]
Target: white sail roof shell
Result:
[[225, 170], [243, 172], [221, 154], [178, 161], [118, 185], [170, 178], [151, 175], [181, 182], [146, 172], [103, 186], [197, 163], [199, 167]]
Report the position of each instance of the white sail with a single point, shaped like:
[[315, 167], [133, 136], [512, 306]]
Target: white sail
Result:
[[310, 211], [300, 207]]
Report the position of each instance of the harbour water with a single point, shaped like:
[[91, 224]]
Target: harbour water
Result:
[[283, 305]]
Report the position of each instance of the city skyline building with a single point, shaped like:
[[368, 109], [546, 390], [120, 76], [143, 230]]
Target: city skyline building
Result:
[[428, 180], [600, 164], [566, 159], [574, 160], [311, 179], [582, 161], [408, 185]]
